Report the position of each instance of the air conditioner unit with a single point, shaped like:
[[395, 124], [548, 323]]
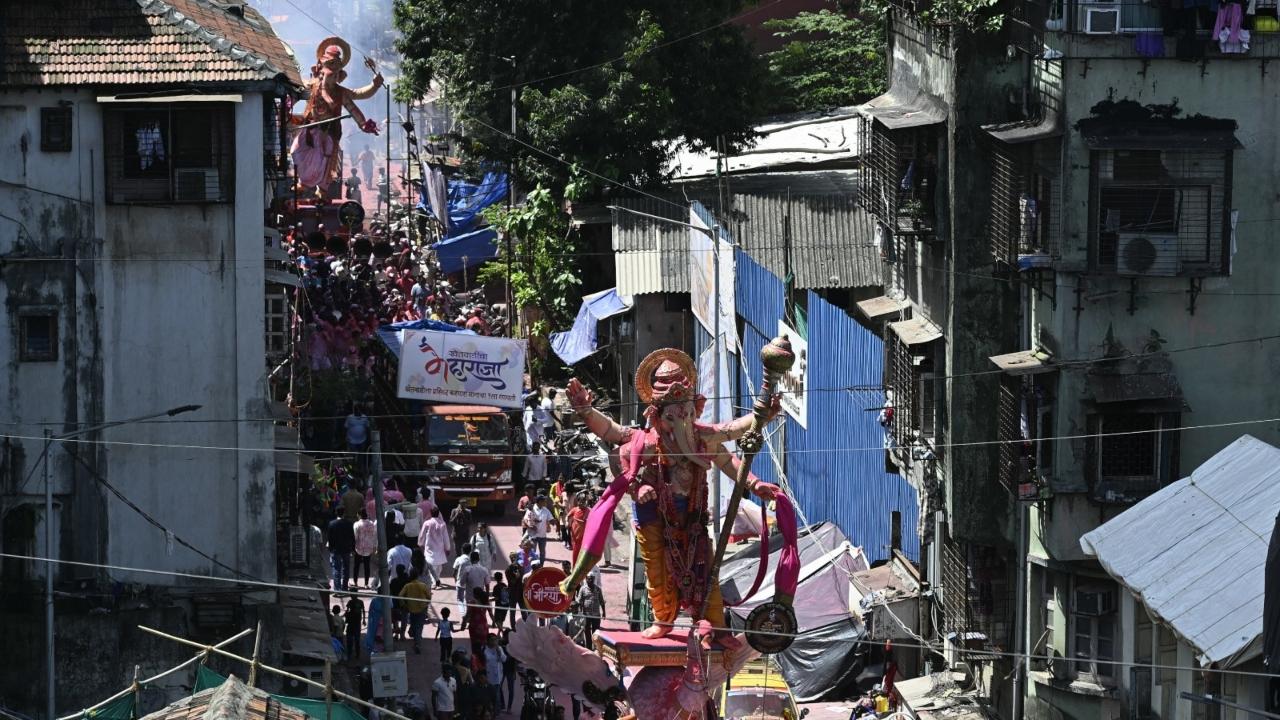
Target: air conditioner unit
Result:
[[197, 185], [1099, 18], [1147, 254], [1094, 602]]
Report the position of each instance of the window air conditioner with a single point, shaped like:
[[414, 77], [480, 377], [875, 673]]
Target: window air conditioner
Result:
[[197, 185], [1147, 254], [1095, 602], [1100, 18]]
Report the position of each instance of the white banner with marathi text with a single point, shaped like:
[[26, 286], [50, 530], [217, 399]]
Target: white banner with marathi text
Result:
[[461, 368], [794, 383]]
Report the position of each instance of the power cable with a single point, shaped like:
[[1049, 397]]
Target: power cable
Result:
[[877, 449], [980, 654], [1081, 362]]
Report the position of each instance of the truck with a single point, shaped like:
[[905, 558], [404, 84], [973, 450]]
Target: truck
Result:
[[469, 455]]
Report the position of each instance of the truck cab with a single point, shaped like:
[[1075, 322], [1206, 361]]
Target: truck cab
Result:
[[469, 454]]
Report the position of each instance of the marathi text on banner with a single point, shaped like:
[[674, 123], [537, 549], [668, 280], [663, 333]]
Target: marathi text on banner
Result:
[[703, 264], [461, 368]]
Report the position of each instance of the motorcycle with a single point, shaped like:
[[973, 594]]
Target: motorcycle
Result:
[[538, 704]]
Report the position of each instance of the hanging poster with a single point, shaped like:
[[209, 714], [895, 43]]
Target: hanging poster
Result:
[[461, 368], [703, 253], [794, 384]]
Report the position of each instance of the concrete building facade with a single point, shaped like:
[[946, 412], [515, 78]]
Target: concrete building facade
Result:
[[132, 203], [1074, 219]]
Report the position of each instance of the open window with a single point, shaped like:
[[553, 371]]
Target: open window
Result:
[[900, 154], [1094, 623], [169, 154], [1026, 205], [910, 381], [1024, 415], [1131, 454], [1160, 200]]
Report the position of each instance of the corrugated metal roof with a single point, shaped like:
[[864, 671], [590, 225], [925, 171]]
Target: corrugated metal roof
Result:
[[1195, 552], [798, 140], [651, 255], [831, 239]]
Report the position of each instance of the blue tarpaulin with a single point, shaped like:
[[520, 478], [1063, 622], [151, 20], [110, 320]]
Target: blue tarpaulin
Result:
[[467, 244], [577, 343], [390, 334], [459, 253]]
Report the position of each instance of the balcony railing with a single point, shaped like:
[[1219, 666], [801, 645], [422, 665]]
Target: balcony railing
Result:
[[1147, 29]]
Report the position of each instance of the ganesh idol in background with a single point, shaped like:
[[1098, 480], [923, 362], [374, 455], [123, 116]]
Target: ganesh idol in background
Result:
[[316, 150], [664, 467]]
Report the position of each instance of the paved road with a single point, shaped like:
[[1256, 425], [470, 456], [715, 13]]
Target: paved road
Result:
[[424, 668]]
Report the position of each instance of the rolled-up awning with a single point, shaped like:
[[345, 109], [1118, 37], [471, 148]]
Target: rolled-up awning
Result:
[[902, 108]]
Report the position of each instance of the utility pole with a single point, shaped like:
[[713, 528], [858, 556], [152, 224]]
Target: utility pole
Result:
[[49, 567], [50, 547], [384, 582], [511, 202]]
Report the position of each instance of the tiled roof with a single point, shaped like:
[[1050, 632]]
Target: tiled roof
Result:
[[233, 700], [138, 42]]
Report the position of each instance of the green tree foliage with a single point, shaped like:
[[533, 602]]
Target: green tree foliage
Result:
[[543, 273], [611, 85], [832, 58]]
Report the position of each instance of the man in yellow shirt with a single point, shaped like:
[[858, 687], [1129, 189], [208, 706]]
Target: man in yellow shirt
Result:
[[416, 597]]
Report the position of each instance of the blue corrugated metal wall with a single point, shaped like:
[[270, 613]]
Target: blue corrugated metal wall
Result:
[[833, 472]]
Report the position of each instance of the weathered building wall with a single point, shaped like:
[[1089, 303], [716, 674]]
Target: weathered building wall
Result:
[[164, 308]]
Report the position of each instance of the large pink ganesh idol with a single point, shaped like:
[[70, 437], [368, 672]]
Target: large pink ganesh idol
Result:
[[316, 149], [664, 468]]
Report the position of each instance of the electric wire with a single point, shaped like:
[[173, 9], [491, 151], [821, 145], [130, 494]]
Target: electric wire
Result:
[[369, 594], [878, 448]]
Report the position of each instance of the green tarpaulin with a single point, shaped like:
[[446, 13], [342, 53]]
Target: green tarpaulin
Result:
[[207, 678], [121, 709]]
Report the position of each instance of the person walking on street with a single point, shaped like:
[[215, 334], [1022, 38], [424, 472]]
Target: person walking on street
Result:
[[548, 414], [366, 532], [433, 538], [397, 605], [510, 670], [501, 600], [352, 501], [536, 522], [401, 554], [459, 567], [484, 543], [474, 576], [478, 620], [515, 587], [444, 634], [352, 184], [577, 522], [417, 600], [357, 427], [365, 161], [591, 603], [494, 658], [460, 523], [442, 693], [342, 542], [354, 619]]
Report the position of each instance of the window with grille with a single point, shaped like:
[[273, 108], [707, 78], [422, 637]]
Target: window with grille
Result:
[[901, 176], [1130, 455], [910, 382], [37, 335], [1025, 201], [169, 154], [277, 320], [1023, 415], [1093, 628], [1161, 212], [55, 129]]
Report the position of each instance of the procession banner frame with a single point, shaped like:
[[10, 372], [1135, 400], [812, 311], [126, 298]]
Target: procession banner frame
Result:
[[460, 368]]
